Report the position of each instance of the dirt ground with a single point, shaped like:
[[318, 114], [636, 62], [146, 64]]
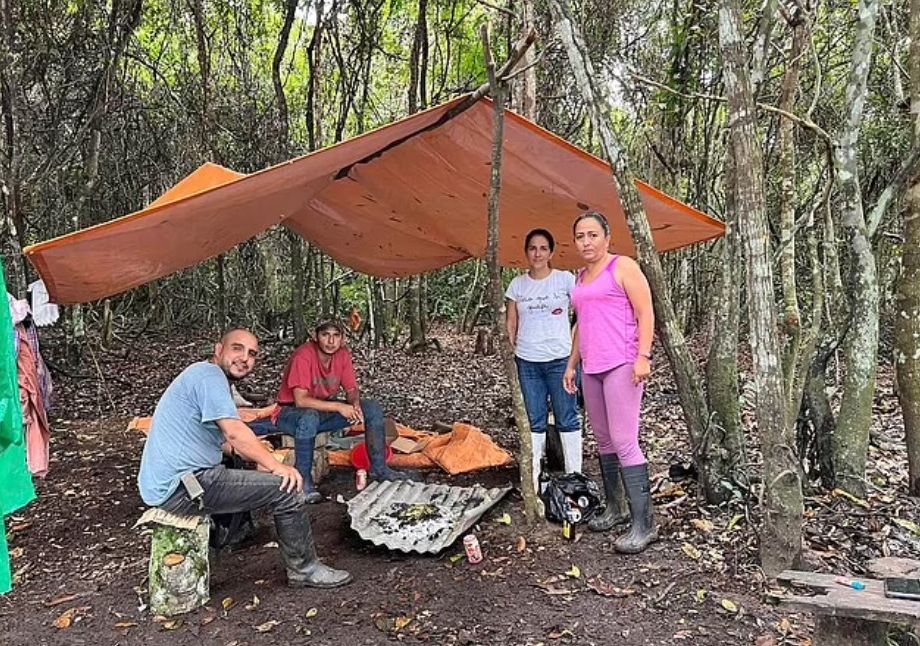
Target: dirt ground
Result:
[[75, 552]]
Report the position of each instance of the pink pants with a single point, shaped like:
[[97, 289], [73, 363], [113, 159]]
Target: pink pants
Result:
[[613, 403]]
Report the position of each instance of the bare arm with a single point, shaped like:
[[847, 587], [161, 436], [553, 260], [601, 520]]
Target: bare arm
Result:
[[241, 438], [568, 380], [640, 296], [511, 320]]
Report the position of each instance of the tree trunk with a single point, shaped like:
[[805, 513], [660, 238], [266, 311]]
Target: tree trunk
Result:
[[533, 507], [781, 538], [298, 316], [529, 81], [851, 439], [686, 373], [907, 319]]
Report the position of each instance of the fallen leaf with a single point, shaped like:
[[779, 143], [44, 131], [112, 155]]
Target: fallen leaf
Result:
[[729, 605], [126, 624], [16, 553], [173, 624], [65, 620], [312, 612], [267, 626], [227, 602], [575, 572], [456, 557], [703, 525], [206, 620], [401, 622], [906, 524], [691, 551], [172, 560], [733, 523], [521, 544], [840, 493], [605, 589], [505, 519], [701, 595]]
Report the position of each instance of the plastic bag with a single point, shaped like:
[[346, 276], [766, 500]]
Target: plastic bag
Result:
[[573, 497]]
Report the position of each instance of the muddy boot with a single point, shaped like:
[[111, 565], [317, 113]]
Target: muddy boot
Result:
[[642, 532], [376, 439], [295, 540], [614, 512]]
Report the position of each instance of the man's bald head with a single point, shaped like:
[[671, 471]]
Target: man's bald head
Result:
[[236, 353]]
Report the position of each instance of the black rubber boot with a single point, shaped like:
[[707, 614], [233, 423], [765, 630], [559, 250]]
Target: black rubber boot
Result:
[[295, 540], [614, 511], [376, 439], [642, 532]]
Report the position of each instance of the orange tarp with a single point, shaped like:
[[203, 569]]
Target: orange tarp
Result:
[[464, 449], [407, 198]]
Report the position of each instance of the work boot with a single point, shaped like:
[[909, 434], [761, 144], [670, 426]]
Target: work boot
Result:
[[614, 510], [642, 532], [376, 440], [295, 540]]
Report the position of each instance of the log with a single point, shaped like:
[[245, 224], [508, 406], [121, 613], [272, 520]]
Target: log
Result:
[[179, 569]]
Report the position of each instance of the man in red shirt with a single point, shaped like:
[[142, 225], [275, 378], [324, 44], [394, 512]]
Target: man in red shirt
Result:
[[315, 375]]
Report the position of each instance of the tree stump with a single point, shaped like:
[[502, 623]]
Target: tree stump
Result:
[[179, 569]]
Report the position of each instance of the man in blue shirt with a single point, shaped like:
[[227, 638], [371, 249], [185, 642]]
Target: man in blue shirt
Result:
[[193, 420]]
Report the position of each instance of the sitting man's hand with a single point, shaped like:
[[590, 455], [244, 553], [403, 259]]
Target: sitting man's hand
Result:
[[291, 480], [351, 412]]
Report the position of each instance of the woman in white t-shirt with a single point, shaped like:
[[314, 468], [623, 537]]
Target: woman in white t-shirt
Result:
[[539, 329]]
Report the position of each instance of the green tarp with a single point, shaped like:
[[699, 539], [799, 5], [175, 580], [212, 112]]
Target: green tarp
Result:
[[16, 490]]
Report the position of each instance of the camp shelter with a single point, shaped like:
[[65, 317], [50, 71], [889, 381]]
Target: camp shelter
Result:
[[404, 199]]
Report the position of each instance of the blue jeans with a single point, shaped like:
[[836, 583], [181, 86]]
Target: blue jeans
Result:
[[304, 424], [542, 381]]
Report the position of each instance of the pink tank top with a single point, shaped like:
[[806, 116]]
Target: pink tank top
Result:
[[608, 335]]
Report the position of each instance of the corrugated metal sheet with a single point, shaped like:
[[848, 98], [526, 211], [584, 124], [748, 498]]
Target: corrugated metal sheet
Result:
[[417, 517]]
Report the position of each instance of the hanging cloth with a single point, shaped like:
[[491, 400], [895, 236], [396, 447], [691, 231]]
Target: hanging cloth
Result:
[[17, 490]]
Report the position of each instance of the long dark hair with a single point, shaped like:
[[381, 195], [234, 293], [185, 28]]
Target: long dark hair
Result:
[[599, 217]]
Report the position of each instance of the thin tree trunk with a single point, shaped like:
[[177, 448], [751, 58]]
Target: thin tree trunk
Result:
[[529, 80], [686, 372], [851, 439], [781, 538], [533, 507], [792, 318], [907, 319], [12, 181]]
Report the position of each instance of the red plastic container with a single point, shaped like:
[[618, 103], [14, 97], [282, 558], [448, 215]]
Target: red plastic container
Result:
[[360, 459]]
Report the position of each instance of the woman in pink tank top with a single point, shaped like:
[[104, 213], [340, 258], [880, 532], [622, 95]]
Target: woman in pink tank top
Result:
[[613, 341]]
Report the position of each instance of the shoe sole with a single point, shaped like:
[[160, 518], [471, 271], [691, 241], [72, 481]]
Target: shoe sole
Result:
[[306, 584]]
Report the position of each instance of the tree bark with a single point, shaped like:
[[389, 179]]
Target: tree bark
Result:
[[533, 507], [851, 439], [907, 318], [686, 372], [781, 538]]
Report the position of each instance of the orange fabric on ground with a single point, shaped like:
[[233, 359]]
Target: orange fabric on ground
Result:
[[463, 450]]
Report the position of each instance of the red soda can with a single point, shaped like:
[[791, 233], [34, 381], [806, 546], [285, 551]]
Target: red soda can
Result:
[[360, 479], [473, 551]]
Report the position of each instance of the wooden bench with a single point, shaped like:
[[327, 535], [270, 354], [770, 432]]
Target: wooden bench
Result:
[[844, 615]]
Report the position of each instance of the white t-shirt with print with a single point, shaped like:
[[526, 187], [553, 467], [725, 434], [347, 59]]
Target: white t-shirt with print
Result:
[[543, 331]]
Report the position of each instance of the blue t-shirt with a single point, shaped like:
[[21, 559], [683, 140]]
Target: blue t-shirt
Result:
[[184, 435]]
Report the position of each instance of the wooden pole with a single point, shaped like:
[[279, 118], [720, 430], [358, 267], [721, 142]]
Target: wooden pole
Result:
[[533, 506]]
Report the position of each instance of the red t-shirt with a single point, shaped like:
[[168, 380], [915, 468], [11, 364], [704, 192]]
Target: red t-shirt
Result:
[[305, 370]]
